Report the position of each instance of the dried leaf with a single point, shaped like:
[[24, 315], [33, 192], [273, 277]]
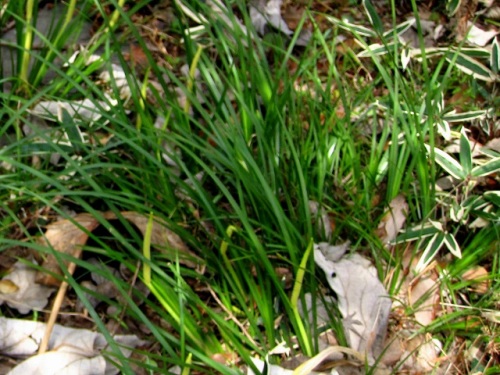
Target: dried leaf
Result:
[[29, 295], [363, 301], [478, 275], [72, 351], [393, 220], [66, 237]]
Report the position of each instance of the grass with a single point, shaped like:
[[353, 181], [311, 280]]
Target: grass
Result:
[[351, 139]]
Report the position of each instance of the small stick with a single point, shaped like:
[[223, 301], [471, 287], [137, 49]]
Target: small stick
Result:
[[56, 307]]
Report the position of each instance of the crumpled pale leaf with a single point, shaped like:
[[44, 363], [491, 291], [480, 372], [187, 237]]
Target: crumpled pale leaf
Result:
[[264, 12], [72, 351], [363, 301], [393, 220], [66, 236], [323, 222], [27, 295], [478, 36], [84, 109]]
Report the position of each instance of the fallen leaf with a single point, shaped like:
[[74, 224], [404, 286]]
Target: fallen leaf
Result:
[[363, 301], [479, 276], [65, 237], [26, 295], [393, 220], [69, 235], [72, 351]]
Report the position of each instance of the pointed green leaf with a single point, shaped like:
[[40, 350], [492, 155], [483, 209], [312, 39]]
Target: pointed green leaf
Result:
[[452, 245], [430, 251], [493, 197], [453, 116], [449, 164], [490, 167], [373, 16], [495, 56], [417, 232], [465, 153], [470, 66]]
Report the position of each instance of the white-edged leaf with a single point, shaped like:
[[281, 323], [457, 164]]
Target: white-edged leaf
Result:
[[470, 66], [351, 27], [417, 232], [465, 153], [489, 167], [449, 164], [453, 116], [373, 16], [452, 245], [495, 56], [430, 251], [400, 29], [444, 129], [376, 50], [493, 197], [475, 52]]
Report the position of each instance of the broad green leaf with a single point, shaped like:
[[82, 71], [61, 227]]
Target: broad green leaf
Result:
[[465, 153], [490, 167], [373, 16], [417, 232], [453, 116], [452, 245], [449, 164], [493, 197], [476, 52], [495, 56], [430, 250], [470, 66]]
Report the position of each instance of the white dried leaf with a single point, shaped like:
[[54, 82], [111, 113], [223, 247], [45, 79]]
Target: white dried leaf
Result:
[[363, 301], [478, 36], [393, 220], [29, 295], [71, 350]]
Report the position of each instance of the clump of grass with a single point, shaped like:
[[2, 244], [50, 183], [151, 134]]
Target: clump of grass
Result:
[[264, 149]]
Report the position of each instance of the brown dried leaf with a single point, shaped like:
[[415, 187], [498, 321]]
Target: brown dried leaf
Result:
[[65, 237], [478, 275], [169, 243]]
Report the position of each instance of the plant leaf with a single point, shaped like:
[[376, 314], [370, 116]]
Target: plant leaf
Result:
[[452, 245], [373, 16], [470, 66], [465, 153], [453, 116], [449, 164], [495, 56], [430, 250], [490, 167]]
